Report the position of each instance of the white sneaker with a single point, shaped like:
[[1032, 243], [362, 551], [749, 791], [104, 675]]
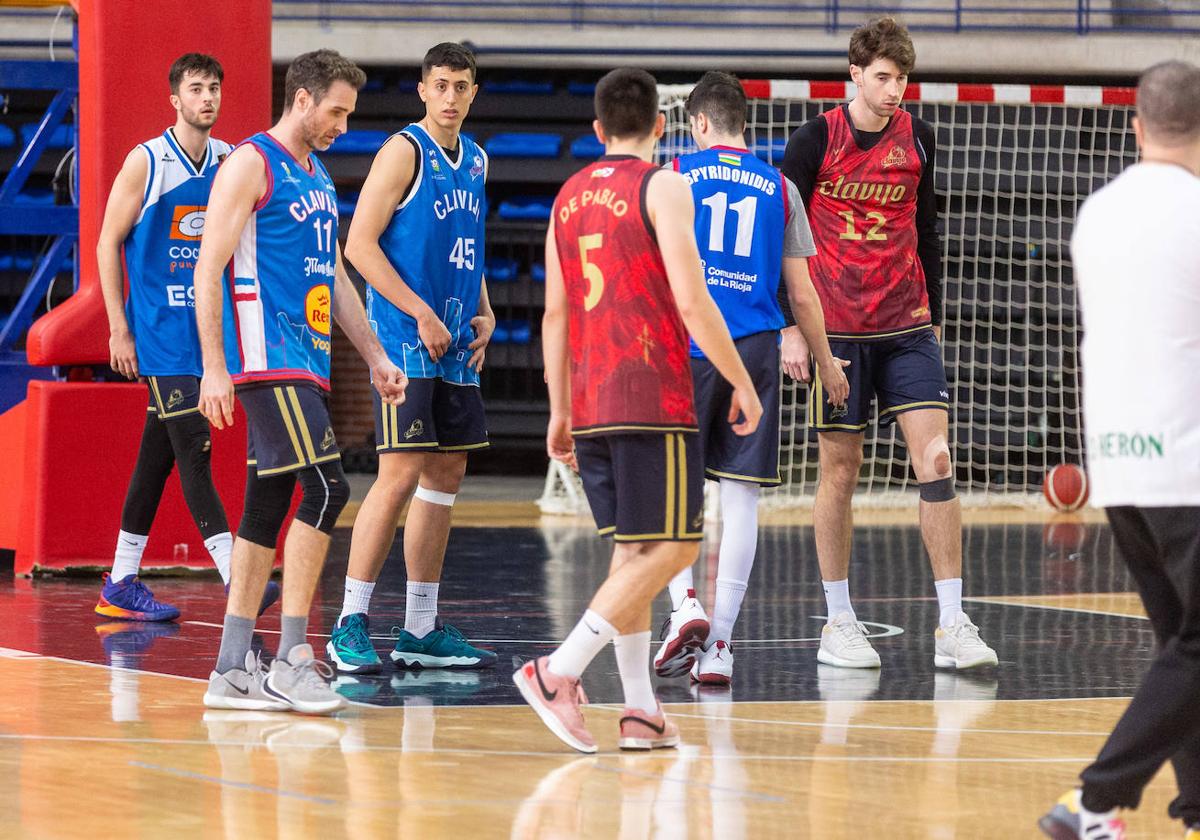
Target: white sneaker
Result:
[[683, 634], [302, 683], [242, 689], [714, 666], [844, 644], [959, 646]]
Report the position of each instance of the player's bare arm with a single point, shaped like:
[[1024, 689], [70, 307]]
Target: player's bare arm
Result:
[[669, 203], [120, 214], [484, 324], [348, 311], [391, 174], [810, 324], [560, 445], [240, 183]]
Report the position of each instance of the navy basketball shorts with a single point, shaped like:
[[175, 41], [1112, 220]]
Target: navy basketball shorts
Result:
[[288, 427], [753, 458], [173, 396], [644, 486], [903, 372], [436, 416]]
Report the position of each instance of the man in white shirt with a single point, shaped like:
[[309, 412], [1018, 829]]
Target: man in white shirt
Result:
[[1136, 253]]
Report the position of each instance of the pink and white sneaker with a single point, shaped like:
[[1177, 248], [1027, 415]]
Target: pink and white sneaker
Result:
[[556, 700], [641, 730], [683, 633], [715, 665]]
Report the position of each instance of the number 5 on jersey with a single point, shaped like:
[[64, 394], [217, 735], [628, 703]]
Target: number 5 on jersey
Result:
[[462, 255], [591, 271]]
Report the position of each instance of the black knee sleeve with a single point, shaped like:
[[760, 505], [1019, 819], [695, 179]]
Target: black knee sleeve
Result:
[[192, 442], [941, 490], [267, 502], [325, 494]]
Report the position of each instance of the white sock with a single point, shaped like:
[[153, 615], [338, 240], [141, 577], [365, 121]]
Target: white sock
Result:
[[633, 664], [679, 587], [220, 549], [949, 595], [420, 608], [128, 557], [726, 607], [419, 725], [837, 598], [739, 543], [357, 598], [588, 638]]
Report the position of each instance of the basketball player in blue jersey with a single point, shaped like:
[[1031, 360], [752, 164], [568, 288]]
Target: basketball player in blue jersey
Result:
[[273, 210], [417, 238], [151, 231], [751, 228]]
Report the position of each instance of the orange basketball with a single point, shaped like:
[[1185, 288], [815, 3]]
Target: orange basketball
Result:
[[1066, 487]]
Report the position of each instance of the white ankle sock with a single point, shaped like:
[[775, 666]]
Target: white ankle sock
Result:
[[128, 557], [837, 598], [220, 549], [949, 595], [588, 638], [357, 598], [633, 664], [679, 586], [420, 608], [726, 607]]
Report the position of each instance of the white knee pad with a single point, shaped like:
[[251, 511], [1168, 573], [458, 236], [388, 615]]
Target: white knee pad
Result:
[[435, 497]]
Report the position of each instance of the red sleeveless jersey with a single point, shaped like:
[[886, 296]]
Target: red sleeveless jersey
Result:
[[863, 218], [629, 348]]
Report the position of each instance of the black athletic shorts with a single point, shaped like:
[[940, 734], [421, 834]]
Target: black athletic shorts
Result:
[[753, 458], [436, 416], [904, 373], [288, 426], [644, 486], [173, 396]]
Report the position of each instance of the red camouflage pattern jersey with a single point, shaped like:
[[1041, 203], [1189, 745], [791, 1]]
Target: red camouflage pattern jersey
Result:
[[629, 349], [863, 218]]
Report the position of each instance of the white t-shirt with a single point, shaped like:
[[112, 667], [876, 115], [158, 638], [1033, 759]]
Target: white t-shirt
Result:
[[1136, 252]]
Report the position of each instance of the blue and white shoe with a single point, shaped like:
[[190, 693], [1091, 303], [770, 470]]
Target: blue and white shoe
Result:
[[442, 647], [270, 596], [350, 647], [131, 600]]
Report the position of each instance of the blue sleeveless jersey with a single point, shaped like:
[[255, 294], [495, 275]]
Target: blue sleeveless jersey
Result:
[[160, 257], [283, 271], [435, 243], [741, 215]]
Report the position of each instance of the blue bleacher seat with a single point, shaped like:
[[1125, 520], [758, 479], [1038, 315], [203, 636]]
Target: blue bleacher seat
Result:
[[512, 331], [527, 207], [501, 269], [23, 261], [8, 137], [6, 262], [360, 142], [581, 88], [374, 84], [524, 145], [538, 272], [520, 86], [62, 137], [346, 204], [40, 197], [771, 150], [587, 147]]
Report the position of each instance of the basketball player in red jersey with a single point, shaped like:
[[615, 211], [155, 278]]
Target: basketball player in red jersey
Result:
[[624, 287], [865, 173]]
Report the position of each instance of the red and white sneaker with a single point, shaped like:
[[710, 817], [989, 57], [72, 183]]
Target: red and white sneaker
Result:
[[715, 665], [683, 633], [556, 700], [641, 730]]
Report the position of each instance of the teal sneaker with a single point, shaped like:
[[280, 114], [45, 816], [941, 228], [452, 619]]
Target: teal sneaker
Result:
[[350, 647], [442, 647]]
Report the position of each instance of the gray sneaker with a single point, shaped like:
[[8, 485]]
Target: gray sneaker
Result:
[[302, 682], [242, 689]]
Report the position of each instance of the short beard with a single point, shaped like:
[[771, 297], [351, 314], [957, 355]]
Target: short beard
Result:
[[197, 122], [312, 138]]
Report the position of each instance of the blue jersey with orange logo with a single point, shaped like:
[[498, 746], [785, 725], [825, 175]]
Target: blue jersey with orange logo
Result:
[[435, 243], [160, 256], [283, 272], [741, 216]]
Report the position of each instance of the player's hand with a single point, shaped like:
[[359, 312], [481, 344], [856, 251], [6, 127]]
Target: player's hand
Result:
[[434, 335], [390, 382], [484, 326], [833, 380], [216, 398], [937, 333], [560, 444], [794, 354], [745, 404], [122, 356]]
